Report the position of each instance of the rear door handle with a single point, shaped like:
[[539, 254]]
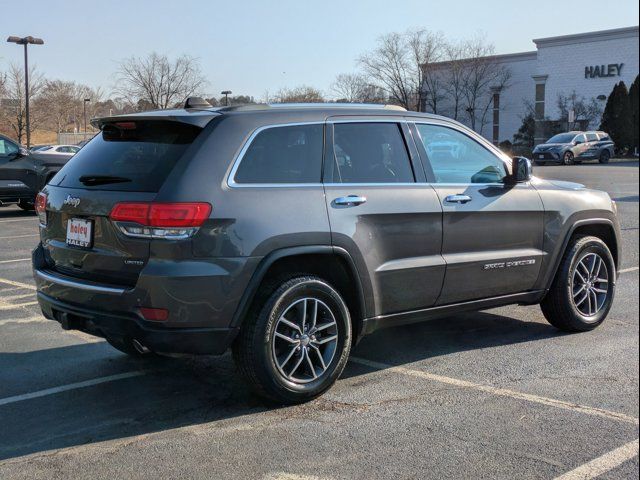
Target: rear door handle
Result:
[[350, 200], [459, 198]]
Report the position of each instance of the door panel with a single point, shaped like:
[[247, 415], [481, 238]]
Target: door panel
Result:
[[393, 231], [492, 245]]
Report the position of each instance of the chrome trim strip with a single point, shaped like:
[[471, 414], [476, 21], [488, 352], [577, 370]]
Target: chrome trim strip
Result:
[[79, 285]]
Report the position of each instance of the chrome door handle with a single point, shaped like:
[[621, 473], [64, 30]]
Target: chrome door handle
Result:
[[350, 200], [458, 199]]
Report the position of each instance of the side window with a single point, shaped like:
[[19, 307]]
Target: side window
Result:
[[287, 154], [370, 153], [7, 148], [457, 158], [580, 138], [592, 137]]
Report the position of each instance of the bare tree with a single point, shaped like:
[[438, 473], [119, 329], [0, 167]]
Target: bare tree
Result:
[[585, 111], [426, 49], [483, 75], [453, 77], [349, 87], [158, 81], [13, 112], [63, 103], [301, 94]]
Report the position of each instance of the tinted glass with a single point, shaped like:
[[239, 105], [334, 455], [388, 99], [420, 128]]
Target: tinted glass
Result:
[[603, 136], [289, 154], [140, 154], [580, 138], [561, 138], [592, 137], [7, 147], [370, 153], [457, 158]]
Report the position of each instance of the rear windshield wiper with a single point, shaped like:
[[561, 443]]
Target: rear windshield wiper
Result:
[[90, 180]]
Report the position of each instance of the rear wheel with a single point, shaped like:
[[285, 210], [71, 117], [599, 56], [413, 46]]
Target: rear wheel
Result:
[[584, 287], [294, 344], [605, 156], [568, 158]]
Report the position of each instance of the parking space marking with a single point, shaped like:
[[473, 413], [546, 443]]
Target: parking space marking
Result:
[[20, 236], [36, 319], [502, 392], [603, 464], [71, 386], [33, 219], [13, 306], [17, 297], [13, 283], [15, 260], [627, 270]]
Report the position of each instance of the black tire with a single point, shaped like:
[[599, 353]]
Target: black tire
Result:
[[27, 206], [256, 349], [125, 345], [559, 306], [605, 156], [568, 158]]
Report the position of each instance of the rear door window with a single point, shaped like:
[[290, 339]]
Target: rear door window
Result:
[[289, 154], [370, 153], [592, 137], [129, 156]]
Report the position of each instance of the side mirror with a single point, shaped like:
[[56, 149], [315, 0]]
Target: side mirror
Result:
[[522, 169], [577, 142], [22, 152]]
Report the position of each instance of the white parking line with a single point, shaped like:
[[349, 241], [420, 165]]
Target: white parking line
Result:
[[15, 260], [12, 306], [627, 270], [550, 402], [36, 319], [71, 386], [20, 236], [603, 464], [13, 283]]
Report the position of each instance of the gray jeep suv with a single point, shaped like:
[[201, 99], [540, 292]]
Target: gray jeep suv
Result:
[[288, 232]]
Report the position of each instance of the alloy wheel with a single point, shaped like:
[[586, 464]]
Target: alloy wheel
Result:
[[590, 284], [305, 340]]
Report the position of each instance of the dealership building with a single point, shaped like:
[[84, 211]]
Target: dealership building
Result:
[[588, 63]]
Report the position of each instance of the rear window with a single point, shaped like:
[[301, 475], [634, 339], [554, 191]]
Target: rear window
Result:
[[129, 156]]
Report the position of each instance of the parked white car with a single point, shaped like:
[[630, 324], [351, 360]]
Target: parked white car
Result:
[[57, 149]]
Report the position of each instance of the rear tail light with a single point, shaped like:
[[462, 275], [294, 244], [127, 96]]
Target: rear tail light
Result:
[[41, 208], [160, 220]]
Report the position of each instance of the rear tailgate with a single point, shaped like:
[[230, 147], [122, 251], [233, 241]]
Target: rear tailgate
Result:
[[128, 162]]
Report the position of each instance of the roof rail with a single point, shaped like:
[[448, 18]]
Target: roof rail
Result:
[[264, 106]]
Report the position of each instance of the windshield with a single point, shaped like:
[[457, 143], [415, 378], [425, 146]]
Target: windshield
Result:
[[129, 156], [562, 138]]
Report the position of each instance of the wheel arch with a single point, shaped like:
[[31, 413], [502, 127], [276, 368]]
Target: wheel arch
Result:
[[331, 263]]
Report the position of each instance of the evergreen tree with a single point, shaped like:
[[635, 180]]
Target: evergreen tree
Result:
[[525, 134], [634, 105], [616, 119]]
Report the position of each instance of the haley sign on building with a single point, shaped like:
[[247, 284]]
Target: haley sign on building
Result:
[[599, 71]]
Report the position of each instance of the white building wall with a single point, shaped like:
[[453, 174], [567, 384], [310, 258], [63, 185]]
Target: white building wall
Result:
[[564, 62], [513, 100]]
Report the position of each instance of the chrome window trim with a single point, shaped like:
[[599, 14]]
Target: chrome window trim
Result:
[[238, 160]]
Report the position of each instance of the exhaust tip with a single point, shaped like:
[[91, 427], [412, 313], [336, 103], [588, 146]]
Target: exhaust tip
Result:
[[140, 348]]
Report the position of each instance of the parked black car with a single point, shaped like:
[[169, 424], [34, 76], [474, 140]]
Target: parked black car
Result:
[[288, 232], [24, 173], [574, 147]]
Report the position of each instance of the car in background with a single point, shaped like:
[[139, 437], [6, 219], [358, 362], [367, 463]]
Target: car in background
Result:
[[35, 148], [57, 149], [23, 173], [573, 147]]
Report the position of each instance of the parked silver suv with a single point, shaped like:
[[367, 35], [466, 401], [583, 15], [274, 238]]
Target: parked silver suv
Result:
[[287, 232]]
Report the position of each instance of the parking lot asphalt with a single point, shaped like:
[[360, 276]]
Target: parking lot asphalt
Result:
[[496, 394]]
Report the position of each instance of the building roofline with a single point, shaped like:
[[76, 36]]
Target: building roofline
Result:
[[597, 36], [505, 57]]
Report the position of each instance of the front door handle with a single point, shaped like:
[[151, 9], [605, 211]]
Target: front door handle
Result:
[[350, 200], [459, 198]]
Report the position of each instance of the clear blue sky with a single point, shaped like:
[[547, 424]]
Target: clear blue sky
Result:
[[250, 46]]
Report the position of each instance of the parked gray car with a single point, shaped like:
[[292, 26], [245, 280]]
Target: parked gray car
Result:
[[287, 232], [575, 147]]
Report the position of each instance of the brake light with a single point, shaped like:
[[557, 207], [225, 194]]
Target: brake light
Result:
[[154, 314], [160, 220], [41, 208]]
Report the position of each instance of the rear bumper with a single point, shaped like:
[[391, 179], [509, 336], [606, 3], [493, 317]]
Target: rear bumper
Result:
[[163, 340]]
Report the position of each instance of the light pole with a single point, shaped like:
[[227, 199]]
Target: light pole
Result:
[[226, 94], [26, 41], [84, 108]]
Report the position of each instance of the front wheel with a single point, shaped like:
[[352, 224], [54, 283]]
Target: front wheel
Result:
[[294, 344], [605, 156], [568, 158], [584, 287]]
